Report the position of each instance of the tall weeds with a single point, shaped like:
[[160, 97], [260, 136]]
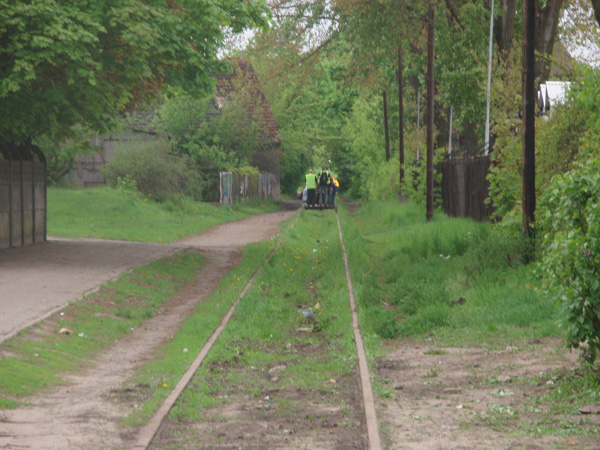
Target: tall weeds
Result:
[[451, 278]]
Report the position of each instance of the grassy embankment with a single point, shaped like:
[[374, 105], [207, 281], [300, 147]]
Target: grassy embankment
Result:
[[124, 215], [455, 282]]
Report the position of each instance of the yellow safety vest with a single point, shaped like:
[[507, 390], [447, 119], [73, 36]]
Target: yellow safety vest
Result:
[[311, 181]]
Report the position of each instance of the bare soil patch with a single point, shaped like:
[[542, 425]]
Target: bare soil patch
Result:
[[473, 398], [277, 417]]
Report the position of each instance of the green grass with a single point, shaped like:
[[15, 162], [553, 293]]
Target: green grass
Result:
[[263, 331], [40, 356], [172, 360], [117, 214], [457, 280]]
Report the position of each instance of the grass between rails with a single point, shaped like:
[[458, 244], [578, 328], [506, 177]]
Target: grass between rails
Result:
[[289, 343], [154, 381], [109, 213]]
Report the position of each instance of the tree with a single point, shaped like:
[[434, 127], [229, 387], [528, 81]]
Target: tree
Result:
[[310, 95], [68, 63], [596, 6]]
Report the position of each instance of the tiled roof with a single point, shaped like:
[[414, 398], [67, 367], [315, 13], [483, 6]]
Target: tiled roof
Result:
[[242, 80]]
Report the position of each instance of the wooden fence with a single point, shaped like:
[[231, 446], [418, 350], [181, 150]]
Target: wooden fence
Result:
[[22, 195], [465, 187], [235, 188]]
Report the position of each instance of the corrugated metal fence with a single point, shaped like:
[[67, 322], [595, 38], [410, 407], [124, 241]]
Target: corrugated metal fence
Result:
[[235, 188], [22, 195], [465, 187]]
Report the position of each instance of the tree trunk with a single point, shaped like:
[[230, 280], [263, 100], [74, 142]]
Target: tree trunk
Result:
[[528, 199], [596, 6], [386, 127], [401, 113], [546, 30], [505, 26], [546, 26], [430, 95]]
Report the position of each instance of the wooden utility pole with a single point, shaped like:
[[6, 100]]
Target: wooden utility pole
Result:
[[400, 76], [386, 127], [528, 110], [430, 94]]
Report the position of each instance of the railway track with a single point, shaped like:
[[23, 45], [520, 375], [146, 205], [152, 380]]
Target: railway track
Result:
[[149, 432]]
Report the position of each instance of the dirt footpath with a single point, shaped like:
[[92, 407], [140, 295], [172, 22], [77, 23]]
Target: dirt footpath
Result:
[[38, 280]]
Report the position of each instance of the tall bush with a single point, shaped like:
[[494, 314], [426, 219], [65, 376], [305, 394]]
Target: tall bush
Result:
[[570, 133], [154, 170], [571, 252]]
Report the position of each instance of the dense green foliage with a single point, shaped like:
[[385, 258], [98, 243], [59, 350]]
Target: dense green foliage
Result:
[[151, 168], [83, 63], [569, 134], [218, 134], [571, 252], [567, 183]]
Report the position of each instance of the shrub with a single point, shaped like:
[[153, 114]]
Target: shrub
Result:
[[571, 252], [153, 170]]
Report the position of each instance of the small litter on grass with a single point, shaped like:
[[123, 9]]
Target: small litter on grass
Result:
[[65, 331], [504, 379]]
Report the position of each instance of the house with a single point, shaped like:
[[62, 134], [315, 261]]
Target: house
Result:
[[550, 94], [240, 86]]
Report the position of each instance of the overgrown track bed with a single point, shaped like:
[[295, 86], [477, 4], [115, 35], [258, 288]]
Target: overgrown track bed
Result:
[[280, 386]]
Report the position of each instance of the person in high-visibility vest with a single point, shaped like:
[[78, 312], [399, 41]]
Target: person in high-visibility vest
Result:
[[335, 187], [311, 186]]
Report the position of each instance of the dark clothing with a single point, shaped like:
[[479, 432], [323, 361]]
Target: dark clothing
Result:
[[334, 190], [310, 197], [324, 187]]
